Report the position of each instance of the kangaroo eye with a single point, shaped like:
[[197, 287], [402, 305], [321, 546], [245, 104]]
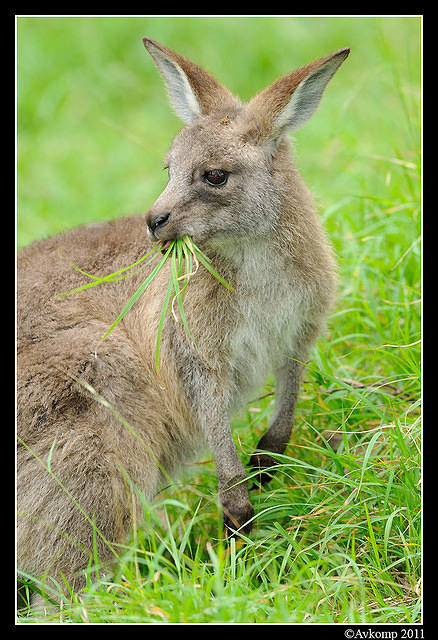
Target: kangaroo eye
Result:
[[215, 177]]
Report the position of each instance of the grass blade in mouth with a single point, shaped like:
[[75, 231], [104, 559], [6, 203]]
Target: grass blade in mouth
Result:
[[182, 253], [205, 260], [111, 277], [163, 314], [144, 285]]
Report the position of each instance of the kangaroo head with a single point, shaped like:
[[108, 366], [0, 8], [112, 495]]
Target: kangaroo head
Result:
[[225, 173]]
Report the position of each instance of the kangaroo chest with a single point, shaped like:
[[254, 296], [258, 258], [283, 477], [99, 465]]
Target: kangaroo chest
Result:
[[269, 313]]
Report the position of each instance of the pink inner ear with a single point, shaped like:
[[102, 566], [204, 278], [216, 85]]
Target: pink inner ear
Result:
[[210, 94]]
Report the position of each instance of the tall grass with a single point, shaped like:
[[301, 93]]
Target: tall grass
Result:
[[338, 530]]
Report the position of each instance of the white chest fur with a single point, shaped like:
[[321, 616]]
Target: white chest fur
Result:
[[270, 309]]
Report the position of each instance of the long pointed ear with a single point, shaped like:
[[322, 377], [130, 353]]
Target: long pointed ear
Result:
[[192, 91], [288, 103]]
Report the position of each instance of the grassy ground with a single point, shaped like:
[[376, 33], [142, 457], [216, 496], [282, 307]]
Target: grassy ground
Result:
[[337, 532]]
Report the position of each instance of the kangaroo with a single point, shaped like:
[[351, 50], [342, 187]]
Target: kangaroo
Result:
[[234, 189]]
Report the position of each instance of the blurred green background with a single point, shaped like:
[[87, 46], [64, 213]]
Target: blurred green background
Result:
[[94, 123]]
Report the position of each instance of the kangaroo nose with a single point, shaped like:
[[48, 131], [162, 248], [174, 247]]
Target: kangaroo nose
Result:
[[159, 220]]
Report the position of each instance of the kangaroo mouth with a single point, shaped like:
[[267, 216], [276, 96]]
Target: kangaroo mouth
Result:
[[165, 244]]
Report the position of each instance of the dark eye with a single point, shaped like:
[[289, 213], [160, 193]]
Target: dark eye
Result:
[[215, 177]]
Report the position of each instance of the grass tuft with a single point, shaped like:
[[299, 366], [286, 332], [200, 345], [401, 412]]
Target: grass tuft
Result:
[[181, 253]]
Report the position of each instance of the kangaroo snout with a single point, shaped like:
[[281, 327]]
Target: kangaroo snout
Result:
[[156, 221]]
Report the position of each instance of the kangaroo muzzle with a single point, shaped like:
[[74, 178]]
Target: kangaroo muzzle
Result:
[[157, 221]]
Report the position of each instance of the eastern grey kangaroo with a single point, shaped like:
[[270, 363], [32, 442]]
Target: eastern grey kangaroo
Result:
[[234, 189]]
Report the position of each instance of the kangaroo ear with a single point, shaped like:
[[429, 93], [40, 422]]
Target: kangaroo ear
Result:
[[288, 103], [192, 91]]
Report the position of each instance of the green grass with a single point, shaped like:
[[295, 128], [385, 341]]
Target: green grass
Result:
[[182, 253], [337, 533]]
